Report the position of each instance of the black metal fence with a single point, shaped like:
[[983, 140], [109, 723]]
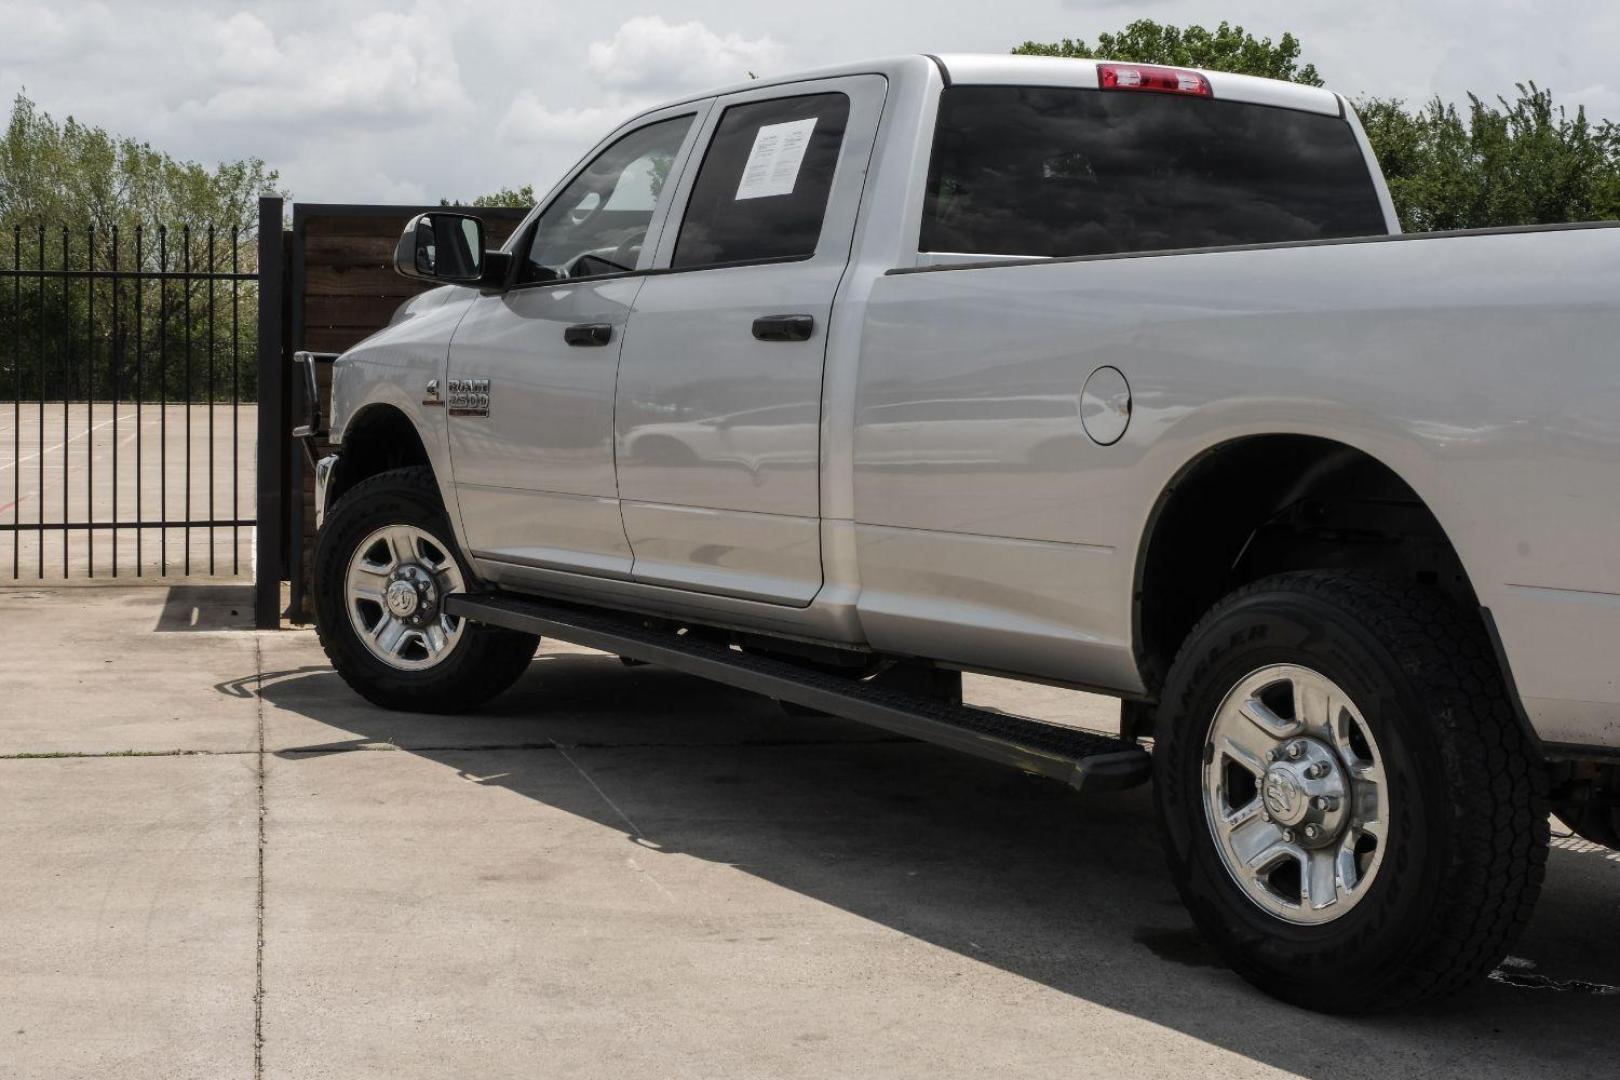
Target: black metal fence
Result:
[[130, 360], [145, 388]]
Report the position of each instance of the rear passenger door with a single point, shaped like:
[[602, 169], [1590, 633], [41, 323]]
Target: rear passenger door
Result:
[[718, 406]]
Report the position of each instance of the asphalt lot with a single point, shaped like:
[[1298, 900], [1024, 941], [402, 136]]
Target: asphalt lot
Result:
[[216, 862], [89, 461]]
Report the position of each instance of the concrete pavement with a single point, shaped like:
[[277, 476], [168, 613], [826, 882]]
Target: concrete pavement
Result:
[[134, 462], [620, 872]]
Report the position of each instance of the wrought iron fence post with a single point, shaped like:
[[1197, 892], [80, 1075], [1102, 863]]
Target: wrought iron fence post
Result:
[[270, 562]]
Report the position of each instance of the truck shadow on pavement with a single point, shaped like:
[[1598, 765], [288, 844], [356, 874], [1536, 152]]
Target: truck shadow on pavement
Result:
[[1066, 890]]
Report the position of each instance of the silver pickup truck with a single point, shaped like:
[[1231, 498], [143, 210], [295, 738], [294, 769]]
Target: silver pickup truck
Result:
[[1104, 375]]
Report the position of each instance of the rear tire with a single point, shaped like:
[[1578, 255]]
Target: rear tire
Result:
[[1413, 906], [387, 542]]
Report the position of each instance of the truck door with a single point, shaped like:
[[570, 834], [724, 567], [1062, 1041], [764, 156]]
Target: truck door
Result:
[[718, 408], [529, 388]]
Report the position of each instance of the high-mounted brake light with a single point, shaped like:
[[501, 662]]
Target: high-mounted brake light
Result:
[[1163, 80]]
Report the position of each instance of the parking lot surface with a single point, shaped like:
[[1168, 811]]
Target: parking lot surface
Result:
[[216, 861], [130, 464]]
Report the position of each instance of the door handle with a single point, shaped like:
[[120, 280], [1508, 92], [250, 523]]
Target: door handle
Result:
[[589, 334], [784, 327]]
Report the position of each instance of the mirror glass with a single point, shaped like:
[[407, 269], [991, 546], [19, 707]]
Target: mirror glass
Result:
[[442, 247]]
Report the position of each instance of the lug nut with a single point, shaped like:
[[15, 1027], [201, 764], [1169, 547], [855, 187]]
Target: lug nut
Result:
[[1288, 836], [1296, 750], [1325, 802], [1317, 771], [1312, 832], [1272, 755]]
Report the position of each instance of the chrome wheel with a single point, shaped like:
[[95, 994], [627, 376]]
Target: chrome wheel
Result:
[[396, 584], [1294, 794]]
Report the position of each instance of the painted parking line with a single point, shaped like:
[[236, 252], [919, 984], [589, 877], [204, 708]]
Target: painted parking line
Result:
[[4, 465]]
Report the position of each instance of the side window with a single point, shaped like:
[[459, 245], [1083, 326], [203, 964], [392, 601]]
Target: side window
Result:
[[762, 189], [597, 224], [1059, 171]]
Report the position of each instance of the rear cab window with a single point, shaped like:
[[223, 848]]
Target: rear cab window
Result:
[[1061, 171]]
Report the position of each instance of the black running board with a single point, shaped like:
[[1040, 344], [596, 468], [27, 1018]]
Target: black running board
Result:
[[1082, 759]]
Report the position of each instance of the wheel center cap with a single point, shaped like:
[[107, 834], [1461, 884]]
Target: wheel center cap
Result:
[[1284, 796], [1306, 791], [401, 598]]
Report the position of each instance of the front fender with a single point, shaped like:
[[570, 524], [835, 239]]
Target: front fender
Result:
[[392, 369]]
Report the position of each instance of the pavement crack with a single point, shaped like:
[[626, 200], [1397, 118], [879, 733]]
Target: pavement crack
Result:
[[258, 958], [54, 755], [635, 830], [379, 747]]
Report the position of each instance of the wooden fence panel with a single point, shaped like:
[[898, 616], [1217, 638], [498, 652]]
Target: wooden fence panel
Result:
[[343, 289]]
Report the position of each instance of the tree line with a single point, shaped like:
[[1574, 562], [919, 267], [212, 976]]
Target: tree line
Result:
[[77, 198]]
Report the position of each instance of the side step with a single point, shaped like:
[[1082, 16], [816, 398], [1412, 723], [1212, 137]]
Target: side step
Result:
[[1080, 758]]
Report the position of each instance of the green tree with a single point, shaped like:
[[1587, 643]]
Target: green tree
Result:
[[1226, 48], [66, 190], [68, 172], [1524, 161], [523, 196]]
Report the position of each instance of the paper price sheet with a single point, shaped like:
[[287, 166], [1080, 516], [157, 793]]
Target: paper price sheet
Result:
[[773, 164]]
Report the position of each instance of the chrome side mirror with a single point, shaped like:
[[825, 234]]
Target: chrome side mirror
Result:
[[442, 247]]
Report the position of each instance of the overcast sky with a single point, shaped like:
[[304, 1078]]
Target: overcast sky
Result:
[[410, 100]]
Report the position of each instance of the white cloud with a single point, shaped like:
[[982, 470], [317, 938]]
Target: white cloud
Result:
[[54, 32], [644, 62], [646, 53], [371, 100], [240, 49], [530, 120], [388, 70]]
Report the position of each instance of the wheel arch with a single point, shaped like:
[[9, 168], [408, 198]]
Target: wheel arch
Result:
[[1259, 504], [377, 438]]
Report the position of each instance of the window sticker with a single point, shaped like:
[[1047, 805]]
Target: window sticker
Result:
[[773, 164]]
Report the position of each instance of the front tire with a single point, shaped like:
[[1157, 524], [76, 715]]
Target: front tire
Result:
[[384, 562], [1353, 814]]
